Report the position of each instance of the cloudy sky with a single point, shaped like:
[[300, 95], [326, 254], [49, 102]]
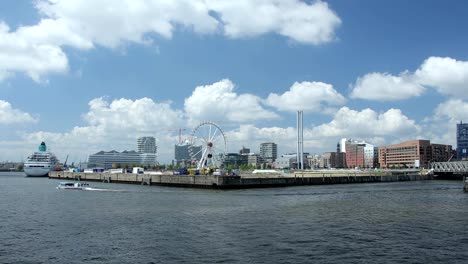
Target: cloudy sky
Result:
[[90, 75]]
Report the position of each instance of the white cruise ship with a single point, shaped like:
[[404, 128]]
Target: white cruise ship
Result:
[[40, 162]]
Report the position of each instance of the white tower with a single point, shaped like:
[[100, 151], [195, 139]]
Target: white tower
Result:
[[300, 140]]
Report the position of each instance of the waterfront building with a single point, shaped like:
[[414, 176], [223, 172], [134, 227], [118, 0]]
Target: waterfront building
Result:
[[314, 161], [146, 145], [355, 155], [185, 152], [254, 159], [269, 151], [362, 155], [462, 141], [235, 160], [326, 160], [244, 151], [413, 154], [341, 146], [287, 161], [145, 156], [371, 156], [340, 160], [110, 159], [440, 153], [333, 160]]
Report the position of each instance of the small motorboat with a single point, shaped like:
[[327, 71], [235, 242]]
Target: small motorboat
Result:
[[72, 186]]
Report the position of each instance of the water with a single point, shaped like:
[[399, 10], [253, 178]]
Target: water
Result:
[[404, 222]]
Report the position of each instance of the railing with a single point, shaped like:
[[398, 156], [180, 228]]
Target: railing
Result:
[[453, 166]]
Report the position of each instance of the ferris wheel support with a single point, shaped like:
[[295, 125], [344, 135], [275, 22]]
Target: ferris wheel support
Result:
[[210, 140]]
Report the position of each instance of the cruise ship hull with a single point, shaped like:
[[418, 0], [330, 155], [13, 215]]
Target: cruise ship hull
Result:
[[37, 172]]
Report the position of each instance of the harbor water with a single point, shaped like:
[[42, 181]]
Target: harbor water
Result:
[[397, 222]]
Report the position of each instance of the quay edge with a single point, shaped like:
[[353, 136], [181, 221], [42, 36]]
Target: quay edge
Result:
[[239, 182]]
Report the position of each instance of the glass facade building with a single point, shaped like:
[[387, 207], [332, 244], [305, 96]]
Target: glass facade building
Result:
[[185, 153], [269, 151], [146, 145], [145, 156], [110, 159], [462, 141]]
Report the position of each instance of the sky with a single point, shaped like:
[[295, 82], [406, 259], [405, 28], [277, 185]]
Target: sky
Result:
[[91, 75]]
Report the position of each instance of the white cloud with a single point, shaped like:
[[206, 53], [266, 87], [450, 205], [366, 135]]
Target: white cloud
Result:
[[36, 50], [449, 76], [454, 109], [9, 115], [115, 125], [305, 23], [441, 127], [379, 129], [141, 115], [20, 54], [307, 96], [130, 20], [219, 102], [386, 87], [110, 23], [368, 123]]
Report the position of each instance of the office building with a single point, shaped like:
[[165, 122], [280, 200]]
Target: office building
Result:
[[146, 145], [244, 151], [333, 160], [254, 160], [145, 156], [115, 159], [462, 141], [235, 160], [413, 154], [185, 153], [286, 161], [355, 155], [440, 152], [269, 152]]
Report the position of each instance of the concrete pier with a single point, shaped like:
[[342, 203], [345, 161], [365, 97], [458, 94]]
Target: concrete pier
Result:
[[242, 181]]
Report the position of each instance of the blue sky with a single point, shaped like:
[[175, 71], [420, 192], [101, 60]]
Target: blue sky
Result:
[[86, 76]]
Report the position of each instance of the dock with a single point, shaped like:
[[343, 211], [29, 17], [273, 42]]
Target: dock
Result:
[[244, 180]]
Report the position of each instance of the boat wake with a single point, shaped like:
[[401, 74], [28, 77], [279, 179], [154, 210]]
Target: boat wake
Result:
[[101, 190]]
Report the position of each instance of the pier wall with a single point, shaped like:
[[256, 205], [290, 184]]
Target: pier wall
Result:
[[238, 182]]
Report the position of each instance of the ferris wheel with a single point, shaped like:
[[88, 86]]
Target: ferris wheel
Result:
[[208, 145]]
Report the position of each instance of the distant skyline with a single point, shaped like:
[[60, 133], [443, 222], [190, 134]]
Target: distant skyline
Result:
[[86, 76]]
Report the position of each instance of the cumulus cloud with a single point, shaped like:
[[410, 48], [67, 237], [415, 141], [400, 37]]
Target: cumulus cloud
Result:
[[116, 125], [138, 115], [251, 137], [388, 127], [453, 109], [386, 87], [219, 102], [20, 54], [368, 123], [110, 23], [449, 76], [441, 126], [9, 115], [307, 96], [37, 50], [302, 22]]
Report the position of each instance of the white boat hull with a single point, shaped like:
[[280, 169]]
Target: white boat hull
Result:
[[72, 186], [36, 172]]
